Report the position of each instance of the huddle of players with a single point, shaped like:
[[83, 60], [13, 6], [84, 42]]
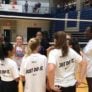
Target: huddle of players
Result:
[[58, 67]]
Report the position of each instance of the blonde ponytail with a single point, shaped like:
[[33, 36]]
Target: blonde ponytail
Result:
[[32, 44]]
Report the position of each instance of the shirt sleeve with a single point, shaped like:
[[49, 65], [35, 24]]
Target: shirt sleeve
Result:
[[52, 57], [88, 49], [45, 59], [15, 71], [45, 65], [85, 57], [22, 67], [77, 57]]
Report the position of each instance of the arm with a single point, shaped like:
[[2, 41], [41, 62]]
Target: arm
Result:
[[51, 74], [20, 86], [83, 68], [51, 70], [15, 72], [51, 77]]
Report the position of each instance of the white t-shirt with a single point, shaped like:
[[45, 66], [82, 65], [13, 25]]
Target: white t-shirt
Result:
[[8, 70], [88, 56], [35, 73], [65, 66]]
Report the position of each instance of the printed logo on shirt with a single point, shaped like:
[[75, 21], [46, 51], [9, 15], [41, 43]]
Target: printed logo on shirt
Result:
[[66, 63], [33, 61], [35, 69], [4, 71]]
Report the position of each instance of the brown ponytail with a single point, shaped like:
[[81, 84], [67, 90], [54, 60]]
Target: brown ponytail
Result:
[[61, 42]]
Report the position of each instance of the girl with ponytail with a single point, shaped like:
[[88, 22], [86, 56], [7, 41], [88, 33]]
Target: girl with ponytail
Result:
[[33, 68]]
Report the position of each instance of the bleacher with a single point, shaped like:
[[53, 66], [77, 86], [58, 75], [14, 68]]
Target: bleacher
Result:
[[86, 14], [72, 15], [81, 38]]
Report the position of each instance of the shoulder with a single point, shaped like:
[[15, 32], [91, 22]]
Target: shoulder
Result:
[[42, 56], [89, 43], [24, 58], [11, 62], [72, 52], [54, 51], [53, 54], [75, 55], [88, 46]]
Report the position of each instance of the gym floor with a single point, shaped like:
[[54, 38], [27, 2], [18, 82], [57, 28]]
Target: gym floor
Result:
[[81, 88]]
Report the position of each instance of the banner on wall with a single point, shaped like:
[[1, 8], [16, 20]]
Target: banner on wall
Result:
[[11, 8]]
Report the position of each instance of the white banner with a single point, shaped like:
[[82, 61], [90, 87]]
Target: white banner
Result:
[[11, 8]]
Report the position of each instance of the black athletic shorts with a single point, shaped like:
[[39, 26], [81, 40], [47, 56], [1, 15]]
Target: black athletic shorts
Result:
[[66, 89], [11, 86]]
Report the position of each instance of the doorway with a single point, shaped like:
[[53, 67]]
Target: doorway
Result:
[[31, 32], [7, 35]]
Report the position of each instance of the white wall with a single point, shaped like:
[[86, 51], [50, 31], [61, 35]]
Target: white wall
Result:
[[19, 27], [23, 24]]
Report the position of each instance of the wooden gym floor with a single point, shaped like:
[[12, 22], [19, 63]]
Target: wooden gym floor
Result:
[[81, 88]]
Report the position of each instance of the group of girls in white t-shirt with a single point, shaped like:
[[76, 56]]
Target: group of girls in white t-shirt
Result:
[[59, 67]]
